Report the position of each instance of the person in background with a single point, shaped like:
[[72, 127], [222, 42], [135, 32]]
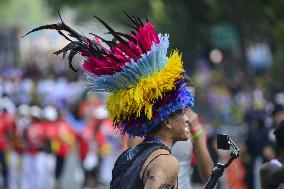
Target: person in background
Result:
[[66, 140], [97, 144], [50, 126], [272, 172], [108, 150], [269, 151], [33, 156], [16, 152], [7, 128], [255, 142]]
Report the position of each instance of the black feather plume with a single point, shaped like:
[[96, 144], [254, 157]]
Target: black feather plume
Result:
[[72, 53]]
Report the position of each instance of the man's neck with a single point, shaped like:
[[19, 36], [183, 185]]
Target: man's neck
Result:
[[165, 140]]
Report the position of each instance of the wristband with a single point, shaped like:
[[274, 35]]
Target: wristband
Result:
[[195, 129], [197, 134]]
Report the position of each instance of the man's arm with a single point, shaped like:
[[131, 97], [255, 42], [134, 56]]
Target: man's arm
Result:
[[161, 173], [204, 161]]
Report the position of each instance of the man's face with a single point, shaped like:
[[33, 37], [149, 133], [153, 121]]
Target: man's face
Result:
[[278, 117], [180, 125], [192, 116]]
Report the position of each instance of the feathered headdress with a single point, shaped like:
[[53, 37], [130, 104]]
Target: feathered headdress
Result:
[[146, 85]]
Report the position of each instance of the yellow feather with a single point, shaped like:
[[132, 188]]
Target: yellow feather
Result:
[[141, 96]]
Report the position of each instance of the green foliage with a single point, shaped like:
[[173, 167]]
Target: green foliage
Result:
[[190, 22], [107, 9], [23, 12]]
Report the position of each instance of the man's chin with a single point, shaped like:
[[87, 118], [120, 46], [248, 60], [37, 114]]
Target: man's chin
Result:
[[183, 138]]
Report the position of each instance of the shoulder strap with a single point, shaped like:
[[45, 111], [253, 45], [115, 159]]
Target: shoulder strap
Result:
[[132, 157], [160, 146], [151, 162], [127, 158]]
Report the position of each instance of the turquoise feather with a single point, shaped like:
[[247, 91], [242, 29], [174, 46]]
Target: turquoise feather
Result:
[[132, 72]]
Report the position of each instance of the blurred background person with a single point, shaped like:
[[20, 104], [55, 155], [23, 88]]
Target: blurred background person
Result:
[[272, 172], [33, 156], [7, 127], [49, 117], [100, 155], [17, 147], [277, 114], [65, 144]]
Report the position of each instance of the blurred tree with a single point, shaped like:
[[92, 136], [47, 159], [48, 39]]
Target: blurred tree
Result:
[[276, 19], [190, 22], [181, 19], [109, 9], [23, 12]]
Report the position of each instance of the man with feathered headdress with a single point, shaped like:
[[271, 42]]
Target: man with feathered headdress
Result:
[[148, 97]]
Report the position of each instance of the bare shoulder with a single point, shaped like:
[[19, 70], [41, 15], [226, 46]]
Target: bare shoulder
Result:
[[165, 161], [160, 170], [161, 157]]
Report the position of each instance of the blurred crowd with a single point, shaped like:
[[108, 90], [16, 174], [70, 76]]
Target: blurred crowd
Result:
[[46, 115], [248, 109], [43, 120]]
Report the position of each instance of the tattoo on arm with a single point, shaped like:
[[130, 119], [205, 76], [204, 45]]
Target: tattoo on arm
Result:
[[172, 179], [165, 186], [152, 178]]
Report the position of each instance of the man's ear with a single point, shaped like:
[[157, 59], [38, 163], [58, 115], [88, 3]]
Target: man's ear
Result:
[[167, 123]]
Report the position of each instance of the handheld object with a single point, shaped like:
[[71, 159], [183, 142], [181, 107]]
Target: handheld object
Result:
[[224, 142]]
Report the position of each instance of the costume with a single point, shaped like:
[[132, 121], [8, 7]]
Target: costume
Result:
[[145, 83]]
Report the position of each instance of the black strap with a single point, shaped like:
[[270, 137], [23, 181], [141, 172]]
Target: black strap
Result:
[[137, 155], [150, 163], [177, 183]]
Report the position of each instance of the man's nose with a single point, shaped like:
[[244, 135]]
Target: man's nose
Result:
[[187, 120]]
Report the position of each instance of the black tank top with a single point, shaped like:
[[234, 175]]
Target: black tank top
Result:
[[127, 168]]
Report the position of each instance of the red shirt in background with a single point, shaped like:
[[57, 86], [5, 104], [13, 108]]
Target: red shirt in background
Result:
[[35, 137], [7, 128], [66, 137]]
